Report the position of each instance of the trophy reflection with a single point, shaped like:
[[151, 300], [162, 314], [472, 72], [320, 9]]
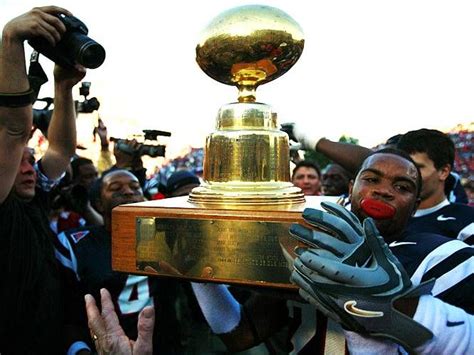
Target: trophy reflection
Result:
[[246, 160], [234, 227]]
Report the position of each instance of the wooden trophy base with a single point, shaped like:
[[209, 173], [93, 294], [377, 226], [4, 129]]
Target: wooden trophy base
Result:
[[244, 245]]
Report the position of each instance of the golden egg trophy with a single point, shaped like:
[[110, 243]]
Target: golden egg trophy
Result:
[[234, 227], [246, 160]]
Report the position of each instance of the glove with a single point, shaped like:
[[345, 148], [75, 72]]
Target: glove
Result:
[[339, 232], [360, 298], [302, 135]]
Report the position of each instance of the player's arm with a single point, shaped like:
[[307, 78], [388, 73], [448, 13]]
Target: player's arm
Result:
[[349, 156], [240, 326]]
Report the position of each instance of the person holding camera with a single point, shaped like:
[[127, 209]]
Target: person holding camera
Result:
[[37, 301]]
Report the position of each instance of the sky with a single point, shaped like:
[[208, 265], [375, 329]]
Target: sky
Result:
[[370, 68]]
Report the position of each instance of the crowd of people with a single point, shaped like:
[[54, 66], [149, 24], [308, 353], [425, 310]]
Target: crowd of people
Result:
[[387, 269], [464, 163]]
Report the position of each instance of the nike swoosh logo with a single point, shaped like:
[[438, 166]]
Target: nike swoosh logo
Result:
[[453, 324], [397, 244], [350, 307], [442, 218]]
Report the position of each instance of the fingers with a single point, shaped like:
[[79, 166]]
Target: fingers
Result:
[[146, 323], [39, 22], [320, 240], [321, 252], [343, 213], [65, 78], [332, 224], [111, 322], [315, 266], [56, 10], [94, 318], [167, 268]]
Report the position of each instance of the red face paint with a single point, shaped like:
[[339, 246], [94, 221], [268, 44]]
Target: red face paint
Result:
[[377, 209]]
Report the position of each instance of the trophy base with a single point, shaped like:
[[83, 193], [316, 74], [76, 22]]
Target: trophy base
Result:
[[233, 244], [242, 194]]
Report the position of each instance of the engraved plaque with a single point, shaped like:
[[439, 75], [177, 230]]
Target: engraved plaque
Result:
[[222, 249]]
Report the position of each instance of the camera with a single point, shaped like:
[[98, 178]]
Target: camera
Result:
[[143, 149], [88, 105], [74, 46]]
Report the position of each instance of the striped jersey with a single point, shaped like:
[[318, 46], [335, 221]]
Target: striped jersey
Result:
[[453, 220], [87, 252]]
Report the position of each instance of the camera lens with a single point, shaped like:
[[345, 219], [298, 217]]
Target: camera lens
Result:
[[91, 55], [85, 50]]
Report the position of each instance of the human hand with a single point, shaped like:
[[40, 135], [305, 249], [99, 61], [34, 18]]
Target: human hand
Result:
[[361, 298], [301, 134], [38, 22], [128, 155], [338, 230], [101, 131], [108, 335], [66, 78]]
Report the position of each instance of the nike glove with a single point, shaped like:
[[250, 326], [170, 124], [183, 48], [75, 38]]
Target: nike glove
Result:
[[360, 298], [338, 231]]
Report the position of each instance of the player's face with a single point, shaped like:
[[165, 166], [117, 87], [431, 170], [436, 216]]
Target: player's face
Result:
[[25, 180], [391, 180], [307, 179], [118, 188]]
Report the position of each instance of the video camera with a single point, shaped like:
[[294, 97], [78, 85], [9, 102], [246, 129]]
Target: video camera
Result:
[[88, 105], [74, 46], [143, 149]]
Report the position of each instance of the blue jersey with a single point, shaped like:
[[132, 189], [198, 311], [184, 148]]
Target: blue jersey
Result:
[[87, 252], [451, 262], [452, 220]]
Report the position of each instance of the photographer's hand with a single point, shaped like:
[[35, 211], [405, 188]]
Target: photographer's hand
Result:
[[126, 160], [101, 131], [38, 22], [66, 78]]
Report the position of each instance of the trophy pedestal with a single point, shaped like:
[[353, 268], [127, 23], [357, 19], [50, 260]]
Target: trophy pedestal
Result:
[[244, 245]]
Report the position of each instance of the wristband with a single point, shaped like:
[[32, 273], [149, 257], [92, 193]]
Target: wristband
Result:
[[219, 307], [20, 99]]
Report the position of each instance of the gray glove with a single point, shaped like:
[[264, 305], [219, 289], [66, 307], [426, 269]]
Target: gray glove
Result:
[[360, 298], [338, 232]]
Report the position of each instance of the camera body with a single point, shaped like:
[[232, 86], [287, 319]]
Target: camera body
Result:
[[144, 149], [88, 105], [74, 47]]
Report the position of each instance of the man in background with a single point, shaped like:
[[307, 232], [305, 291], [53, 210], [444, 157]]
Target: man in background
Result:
[[306, 175]]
